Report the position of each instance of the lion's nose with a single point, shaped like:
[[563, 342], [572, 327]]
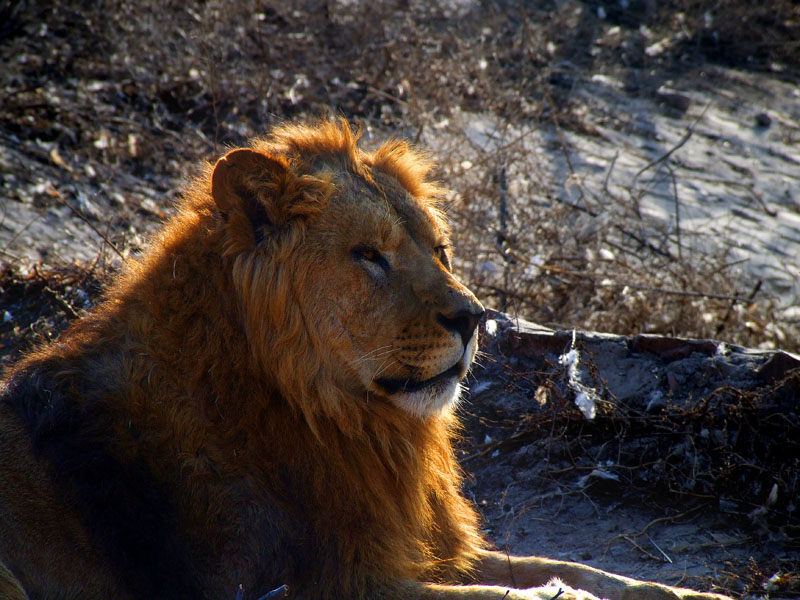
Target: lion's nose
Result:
[[463, 322]]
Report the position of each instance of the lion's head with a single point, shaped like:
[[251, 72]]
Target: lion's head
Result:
[[342, 261]]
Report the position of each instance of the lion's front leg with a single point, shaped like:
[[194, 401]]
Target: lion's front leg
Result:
[[499, 569], [550, 591]]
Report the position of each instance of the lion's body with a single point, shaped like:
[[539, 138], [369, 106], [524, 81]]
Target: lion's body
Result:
[[266, 398]]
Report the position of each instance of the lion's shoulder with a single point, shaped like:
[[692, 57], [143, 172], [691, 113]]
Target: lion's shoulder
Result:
[[74, 450]]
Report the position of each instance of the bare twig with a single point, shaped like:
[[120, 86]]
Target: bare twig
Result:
[[664, 554], [608, 174], [733, 303], [387, 96], [58, 299], [13, 256], [608, 282], [677, 212], [83, 218], [19, 232], [655, 522], [647, 553], [675, 148], [690, 294], [502, 234], [510, 568]]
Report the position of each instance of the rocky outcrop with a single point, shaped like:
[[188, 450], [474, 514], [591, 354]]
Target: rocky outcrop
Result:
[[691, 422]]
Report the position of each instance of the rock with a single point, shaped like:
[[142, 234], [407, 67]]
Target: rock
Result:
[[763, 120]]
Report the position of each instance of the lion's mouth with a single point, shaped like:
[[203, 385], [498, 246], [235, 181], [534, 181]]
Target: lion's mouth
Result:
[[394, 386]]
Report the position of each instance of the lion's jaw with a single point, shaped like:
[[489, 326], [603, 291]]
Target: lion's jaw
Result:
[[410, 325], [440, 395]]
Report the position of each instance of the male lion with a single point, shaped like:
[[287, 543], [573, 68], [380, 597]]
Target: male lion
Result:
[[266, 398]]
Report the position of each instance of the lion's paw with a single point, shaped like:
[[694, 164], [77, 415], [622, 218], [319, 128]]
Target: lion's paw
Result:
[[652, 591], [556, 589]]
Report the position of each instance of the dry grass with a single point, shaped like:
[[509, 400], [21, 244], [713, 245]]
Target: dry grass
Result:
[[129, 94], [36, 306]]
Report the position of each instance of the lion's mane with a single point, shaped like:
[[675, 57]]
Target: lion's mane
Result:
[[197, 394]]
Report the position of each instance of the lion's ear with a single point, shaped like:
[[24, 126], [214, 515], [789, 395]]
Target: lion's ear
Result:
[[256, 192], [241, 185]]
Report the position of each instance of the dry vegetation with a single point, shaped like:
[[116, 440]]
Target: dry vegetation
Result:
[[722, 443], [116, 99]]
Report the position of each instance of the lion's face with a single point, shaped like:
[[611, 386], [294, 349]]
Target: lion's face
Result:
[[343, 262], [402, 324]]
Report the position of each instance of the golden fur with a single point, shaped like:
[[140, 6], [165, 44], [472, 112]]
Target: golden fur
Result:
[[265, 398]]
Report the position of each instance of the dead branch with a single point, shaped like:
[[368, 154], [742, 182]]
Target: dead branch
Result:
[[675, 148], [58, 299], [86, 220]]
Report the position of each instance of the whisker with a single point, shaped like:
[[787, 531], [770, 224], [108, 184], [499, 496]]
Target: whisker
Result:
[[373, 357], [378, 349], [374, 353], [385, 365]]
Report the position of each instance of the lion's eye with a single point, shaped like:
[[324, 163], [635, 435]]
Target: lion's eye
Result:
[[370, 255], [441, 254]]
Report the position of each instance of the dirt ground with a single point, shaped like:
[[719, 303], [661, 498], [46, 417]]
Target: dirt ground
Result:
[[665, 481], [616, 166]]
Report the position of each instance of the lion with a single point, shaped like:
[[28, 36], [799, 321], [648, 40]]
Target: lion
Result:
[[267, 398]]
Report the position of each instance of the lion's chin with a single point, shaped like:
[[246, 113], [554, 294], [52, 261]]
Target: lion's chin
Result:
[[432, 396], [430, 401]]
